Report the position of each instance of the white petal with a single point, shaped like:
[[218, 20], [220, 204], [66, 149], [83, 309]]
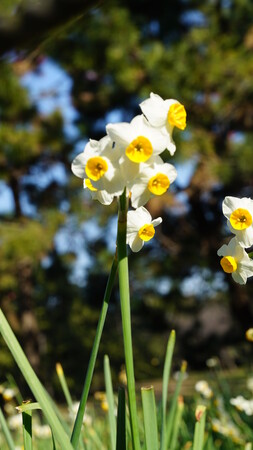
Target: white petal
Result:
[[143, 215], [229, 205], [153, 109], [223, 250], [121, 133], [239, 277], [137, 244], [157, 221], [102, 196], [169, 102], [128, 170], [140, 196], [244, 237], [247, 267], [170, 171], [78, 165]]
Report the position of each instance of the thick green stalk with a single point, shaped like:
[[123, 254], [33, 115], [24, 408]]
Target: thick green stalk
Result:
[[126, 317], [79, 418]]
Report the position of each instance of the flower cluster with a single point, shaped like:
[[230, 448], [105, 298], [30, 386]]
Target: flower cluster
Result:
[[242, 404], [128, 157], [235, 259]]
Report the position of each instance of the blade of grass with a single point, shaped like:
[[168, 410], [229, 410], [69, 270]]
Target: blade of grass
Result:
[[150, 418], [198, 439], [34, 383], [27, 429], [64, 386], [173, 407], [121, 421], [80, 414], [177, 422], [14, 386], [110, 401], [66, 392], [6, 431], [166, 376]]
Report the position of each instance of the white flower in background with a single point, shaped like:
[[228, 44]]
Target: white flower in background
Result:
[[242, 404], [99, 162], [9, 393], [140, 228], [204, 389], [15, 422], [212, 362], [152, 180], [236, 261], [165, 115], [239, 212], [138, 139]]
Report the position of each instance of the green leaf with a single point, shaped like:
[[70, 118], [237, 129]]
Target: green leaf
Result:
[[121, 421], [173, 406], [27, 429], [150, 418], [6, 431], [80, 414], [177, 423], [166, 376], [34, 383], [198, 439], [110, 400]]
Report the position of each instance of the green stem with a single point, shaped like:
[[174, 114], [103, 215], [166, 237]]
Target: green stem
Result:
[[126, 317], [79, 418]]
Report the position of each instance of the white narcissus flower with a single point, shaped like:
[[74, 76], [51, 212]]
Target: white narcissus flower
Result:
[[165, 115], [236, 261], [140, 228], [239, 212], [152, 180], [99, 162], [138, 139]]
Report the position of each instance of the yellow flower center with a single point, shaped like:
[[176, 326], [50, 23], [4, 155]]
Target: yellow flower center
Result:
[[177, 116], [158, 184], [240, 219], [96, 168], [228, 264], [139, 150], [146, 232], [89, 185]]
